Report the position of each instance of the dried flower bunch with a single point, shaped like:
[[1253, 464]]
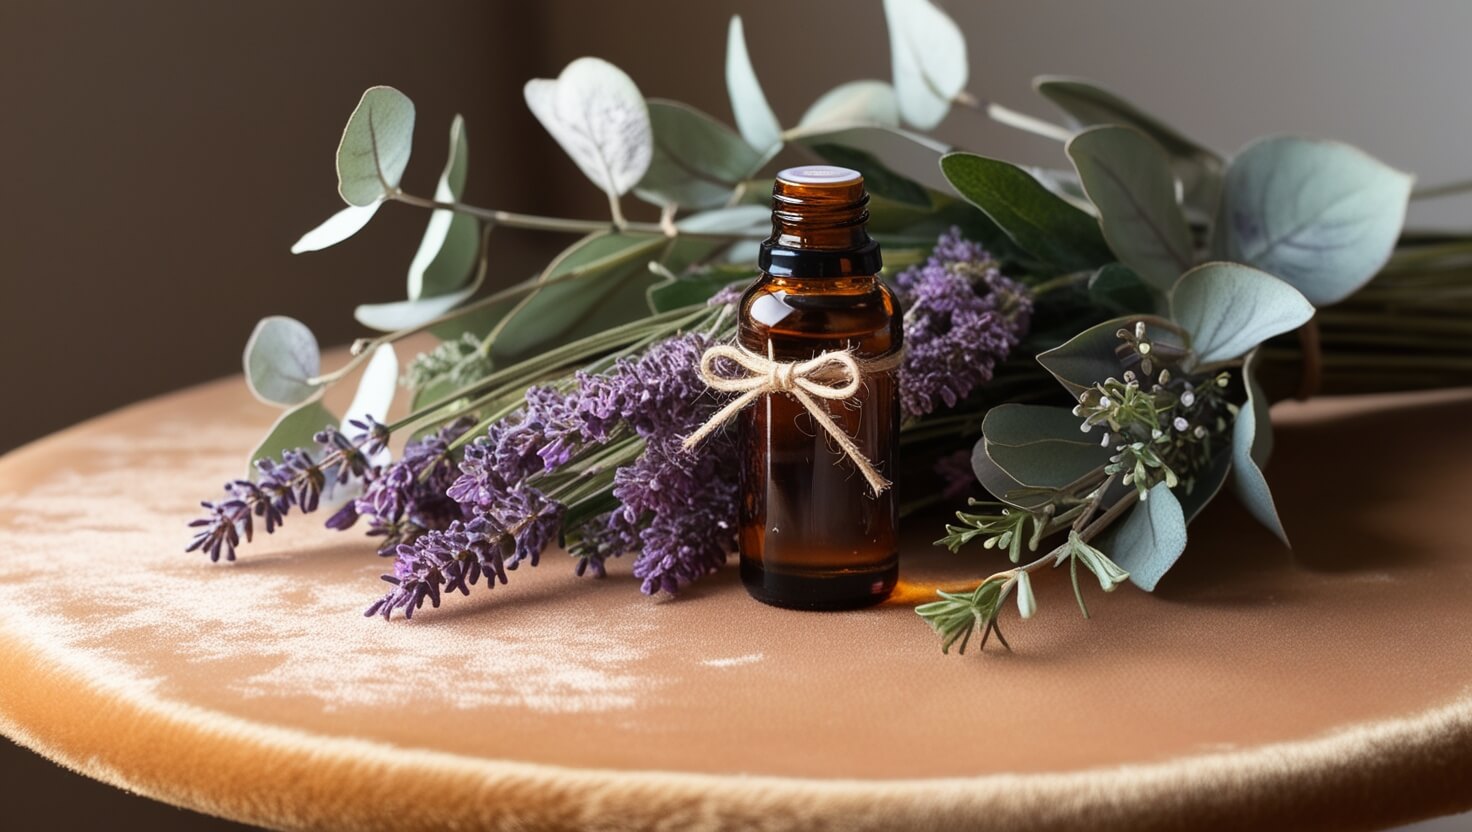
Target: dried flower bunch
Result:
[[1102, 338]]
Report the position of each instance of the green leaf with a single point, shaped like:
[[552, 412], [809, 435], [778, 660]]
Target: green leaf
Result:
[[281, 359], [737, 219], [293, 429], [1003, 485], [1321, 215], [1037, 220], [375, 146], [697, 161], [688, 290], [754, 116], [597, 114], [1041, 447], [1152, 538], [928, 53], [1089, 357], [1230, 308], [1126, 176], [878, 179], [1205, 486], [1116, 288], [852, 104], [389, 317], [376, 389], [609, 278], [1198, 168], [1251, 444], [338, 227], [1027, 603], [447, 253]]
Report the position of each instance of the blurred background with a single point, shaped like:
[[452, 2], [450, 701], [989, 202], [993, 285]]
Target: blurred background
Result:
[[163, 156]]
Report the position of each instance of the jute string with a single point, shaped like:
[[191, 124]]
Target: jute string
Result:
[[834, 376]]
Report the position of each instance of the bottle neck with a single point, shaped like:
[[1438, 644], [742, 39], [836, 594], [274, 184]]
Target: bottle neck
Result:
[[819, 229]]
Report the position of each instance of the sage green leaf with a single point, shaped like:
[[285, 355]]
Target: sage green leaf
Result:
[[338, 227], [878, 179], [447, 253], [1090, 357], [1230, 308], [697, 161], [281, 360], [602, 281], [375, 394], [389, 317], [1202, 488], [1321, 215], [1116, 288], [928, 54], [1152, 538], [1198, 169], [1003, 485], [1126, 176], [1251, 444], [1027, 603], [1037, 220], [596, 113], [754, 116], [690, 289], [375, 146], [293, 429], [1041, 447], [852, 104], [748, 220]]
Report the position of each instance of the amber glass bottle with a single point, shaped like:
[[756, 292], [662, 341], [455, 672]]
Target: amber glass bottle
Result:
[[813, 535]]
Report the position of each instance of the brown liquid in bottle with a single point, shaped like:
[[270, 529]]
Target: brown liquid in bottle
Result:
[[812, 533]]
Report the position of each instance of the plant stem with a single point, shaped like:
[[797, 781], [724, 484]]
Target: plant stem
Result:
[[512, 219], [1448, 189], [1014, 119]]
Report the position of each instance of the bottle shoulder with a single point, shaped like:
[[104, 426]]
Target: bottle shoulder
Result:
[[859, 313]]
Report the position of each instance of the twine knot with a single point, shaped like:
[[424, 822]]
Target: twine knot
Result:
[[834, 376]]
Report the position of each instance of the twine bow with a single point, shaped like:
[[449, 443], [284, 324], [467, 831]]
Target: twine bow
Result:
[[835, 376]]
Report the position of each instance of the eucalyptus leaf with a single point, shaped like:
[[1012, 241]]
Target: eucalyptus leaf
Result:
[[293, 429], [1090, 357], [447, 253], [375, 146], [338, 227], [1198, 168], [1037, 220], [388, 317], [1151, 539], [1230, 308], [1323, 216], [281, 359], [1003, 485], [749, 220], [1248, 453], [878, 179], [1115, 287], [690, 289], [603, 282], [697, 161], [1041, 447], [596, 113], [928, 54], [852, 104], [1126, 175], [754, 116], [375, 394], [1205, 485]]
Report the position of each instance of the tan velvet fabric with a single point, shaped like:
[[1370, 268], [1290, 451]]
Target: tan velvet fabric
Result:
[[1330, 688]]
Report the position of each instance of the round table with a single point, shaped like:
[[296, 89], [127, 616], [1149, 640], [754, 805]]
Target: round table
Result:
[[1323, 688]]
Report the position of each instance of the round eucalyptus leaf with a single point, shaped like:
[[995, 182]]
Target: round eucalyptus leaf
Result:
[[388, 317], [1041, 446], [928, 54], [697, 161], [737, 219], [754, 116], [447, 253], [293, 429], [1251, 444], [1127, 177], [375, 146], [1151, 539], [597, 114], [338, 227], [1089, 357], [1230, 308], [853, 104], [281, 359], [1003, 485], [1321, 215]]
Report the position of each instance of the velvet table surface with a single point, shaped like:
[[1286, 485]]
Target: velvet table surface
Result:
[[1327, 687]]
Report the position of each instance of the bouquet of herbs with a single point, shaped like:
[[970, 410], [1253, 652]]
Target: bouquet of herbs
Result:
[[1096, 346]]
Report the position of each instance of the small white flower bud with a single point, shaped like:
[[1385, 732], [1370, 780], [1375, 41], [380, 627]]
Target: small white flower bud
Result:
[[1188, 399], [1180, 424]]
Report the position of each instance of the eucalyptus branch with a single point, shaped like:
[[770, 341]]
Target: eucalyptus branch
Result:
[[1014, 119], [511, 219]]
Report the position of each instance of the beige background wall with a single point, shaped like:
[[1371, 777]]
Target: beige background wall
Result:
[[161, 156]]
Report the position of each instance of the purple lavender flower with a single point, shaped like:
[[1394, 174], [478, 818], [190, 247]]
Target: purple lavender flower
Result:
[[441, 560], [408, 498], [296, 480], [681, 507], [962, 317]]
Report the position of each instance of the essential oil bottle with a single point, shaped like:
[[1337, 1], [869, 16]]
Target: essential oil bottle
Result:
[[813, 534]]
